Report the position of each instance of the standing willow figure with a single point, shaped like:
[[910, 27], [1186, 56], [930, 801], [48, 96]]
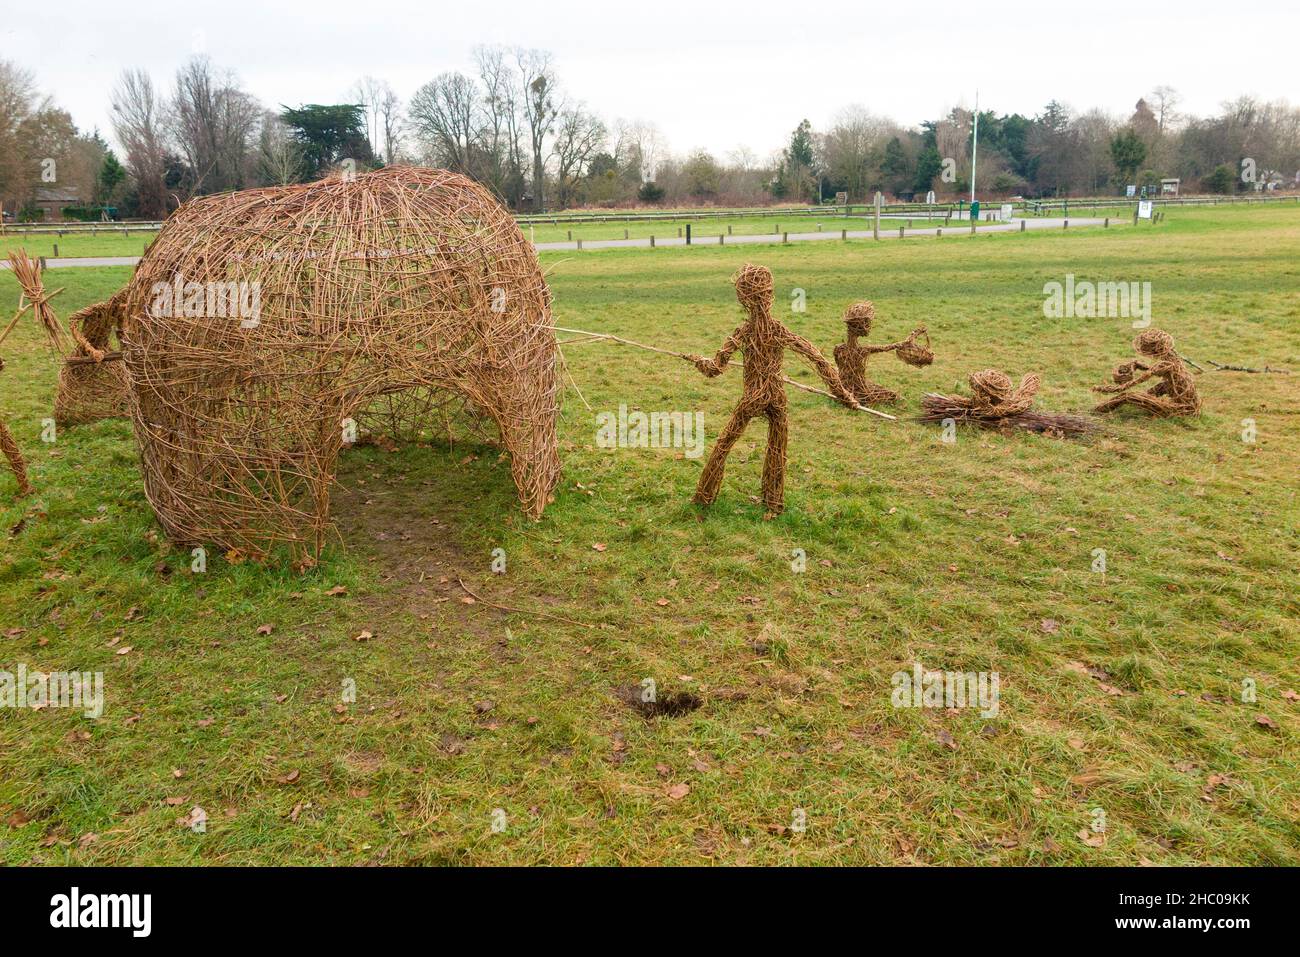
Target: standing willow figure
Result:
[[1174, 394], [763, 340]]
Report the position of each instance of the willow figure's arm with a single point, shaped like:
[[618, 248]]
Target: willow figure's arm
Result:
[[713, 367], [1125, 386], [824, 369]]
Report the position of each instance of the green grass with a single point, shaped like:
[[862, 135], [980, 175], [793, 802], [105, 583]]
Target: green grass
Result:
[[952, 555], [75, 245]]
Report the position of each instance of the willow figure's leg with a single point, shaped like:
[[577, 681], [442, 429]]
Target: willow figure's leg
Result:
[[15, 457], [1141, 400], [711, 478], [870, 393], [1156, 406], [778, 434], [1111, 404]]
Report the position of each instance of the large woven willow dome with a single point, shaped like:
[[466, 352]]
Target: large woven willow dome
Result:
[[262, 326]]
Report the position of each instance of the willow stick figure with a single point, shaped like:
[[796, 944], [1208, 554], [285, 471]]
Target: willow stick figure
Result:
[[851, 358], [763, 340], [1174, 394]]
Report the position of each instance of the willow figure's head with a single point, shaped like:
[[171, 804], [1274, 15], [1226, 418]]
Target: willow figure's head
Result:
[[859, 317], [991, 385], [753, 287], [1154, 343]]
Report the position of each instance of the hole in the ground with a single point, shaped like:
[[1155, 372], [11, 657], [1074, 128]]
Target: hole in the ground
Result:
[[666, 704]]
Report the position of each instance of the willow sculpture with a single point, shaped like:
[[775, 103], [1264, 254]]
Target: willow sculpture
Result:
[[763, 340], [35, 299], [92, 380], [264, 327], [851, 358], [1174, 394], [996, 403], [13, 454]]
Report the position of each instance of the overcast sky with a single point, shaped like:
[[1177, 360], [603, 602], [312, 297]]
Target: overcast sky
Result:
[[710, 74]]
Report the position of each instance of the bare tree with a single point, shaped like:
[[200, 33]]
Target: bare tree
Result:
[[368, 92], [579, 135], [213, 122], [17, 93], [137, 114], [1165, 98], [853, 149], [279, 156], [498, 128], [390, 123], [537, 82], [383, 109], [638, 147], [442, 113]]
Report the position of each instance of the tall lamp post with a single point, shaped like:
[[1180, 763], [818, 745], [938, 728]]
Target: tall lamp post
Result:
[[975, 145]]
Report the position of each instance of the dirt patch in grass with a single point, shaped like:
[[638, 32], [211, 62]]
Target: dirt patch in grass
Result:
[[665, 705]]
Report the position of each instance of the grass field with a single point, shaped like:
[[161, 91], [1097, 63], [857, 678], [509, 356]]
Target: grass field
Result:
[[75, 245], [1121, 693]]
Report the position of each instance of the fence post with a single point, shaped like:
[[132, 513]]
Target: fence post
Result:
[[1105, 223], [570, 235], [900, 232], [1065, 224], [652, 241], [579, 243], [1022, 225], [785, 237], [728, 229], [56, 250], [844, 234], [688, 234]]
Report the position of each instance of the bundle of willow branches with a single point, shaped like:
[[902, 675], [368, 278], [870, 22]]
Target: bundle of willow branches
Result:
[[937, 407]]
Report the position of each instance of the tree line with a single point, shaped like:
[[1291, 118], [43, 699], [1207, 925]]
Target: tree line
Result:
[[511, 124]]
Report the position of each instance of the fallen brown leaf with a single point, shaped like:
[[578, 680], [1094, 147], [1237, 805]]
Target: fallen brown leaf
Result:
[[1091, 838]]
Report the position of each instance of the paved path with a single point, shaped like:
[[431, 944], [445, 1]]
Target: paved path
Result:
[[711, 239], [698, 239]]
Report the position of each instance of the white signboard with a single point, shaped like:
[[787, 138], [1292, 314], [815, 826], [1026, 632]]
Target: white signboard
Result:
[[929, 197], [1130, 191], [1007, 212], [1144, 209]]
